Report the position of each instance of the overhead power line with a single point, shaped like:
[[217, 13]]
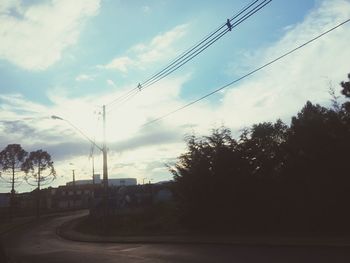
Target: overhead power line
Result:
[[205, 43], [195, 50], [246, 75]]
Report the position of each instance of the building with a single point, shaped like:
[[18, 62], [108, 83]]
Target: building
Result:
[[73, 196], [111, 181], [84, 193], [122, 181], [123, 193], [97, 180]]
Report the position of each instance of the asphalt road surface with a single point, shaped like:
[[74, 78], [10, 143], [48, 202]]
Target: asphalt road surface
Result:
[[38, 243]]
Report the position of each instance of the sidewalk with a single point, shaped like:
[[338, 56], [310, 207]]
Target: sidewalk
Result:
[[67, 231]]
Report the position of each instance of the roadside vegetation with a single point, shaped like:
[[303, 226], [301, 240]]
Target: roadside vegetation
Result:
[[274, 178], [160, 219]]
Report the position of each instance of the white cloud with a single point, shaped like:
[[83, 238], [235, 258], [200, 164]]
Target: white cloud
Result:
[[8, 6], [146, 9], [283, 88], [122, 64], [35, 37], [142, 55], [84, 77], [111, 83]]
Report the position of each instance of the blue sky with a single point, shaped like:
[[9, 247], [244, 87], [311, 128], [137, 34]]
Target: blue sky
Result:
[[119, 25], [68, 58]]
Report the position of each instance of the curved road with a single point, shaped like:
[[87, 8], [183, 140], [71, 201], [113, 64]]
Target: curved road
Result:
[[38, 243]]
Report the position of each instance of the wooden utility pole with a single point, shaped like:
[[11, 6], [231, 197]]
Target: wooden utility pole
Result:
[[74, 191], [105, 167]]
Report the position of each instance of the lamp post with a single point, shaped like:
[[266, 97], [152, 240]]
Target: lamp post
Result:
[[105, 169], [73, 182], [55, 117], [103, 149], [93, 164]]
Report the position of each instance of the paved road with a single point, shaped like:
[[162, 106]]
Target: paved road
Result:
[[38, 243]]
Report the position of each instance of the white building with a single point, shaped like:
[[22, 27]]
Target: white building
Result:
[[122, 181], [111, 181]]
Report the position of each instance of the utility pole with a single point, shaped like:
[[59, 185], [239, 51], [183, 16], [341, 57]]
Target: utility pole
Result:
[[74, 197], [73, 177], [105, 170], [93, 162], [93, 169], [93, 172], [104, 151]]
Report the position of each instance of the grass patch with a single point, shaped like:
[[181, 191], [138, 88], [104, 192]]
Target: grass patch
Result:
[[9, 225], [156, 220]]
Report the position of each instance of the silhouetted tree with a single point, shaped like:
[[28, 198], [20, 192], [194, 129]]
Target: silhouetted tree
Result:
[[39, 171], [345, 107], [346, 87], [274, 178], [262, 147], [199, 175], [318, 142], [11, 160], [334, 99]]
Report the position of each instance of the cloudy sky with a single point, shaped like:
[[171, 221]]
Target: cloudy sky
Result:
[[68, 58]]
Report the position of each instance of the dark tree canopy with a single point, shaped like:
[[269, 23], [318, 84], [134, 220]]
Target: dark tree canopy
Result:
[[39, 168], [274, 178], [11, 160], [346, 87]]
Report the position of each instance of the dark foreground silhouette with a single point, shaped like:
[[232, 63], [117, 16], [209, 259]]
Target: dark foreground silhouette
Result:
[[39, 243], [273, 178]]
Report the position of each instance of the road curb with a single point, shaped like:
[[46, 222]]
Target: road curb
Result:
[[66, 231]]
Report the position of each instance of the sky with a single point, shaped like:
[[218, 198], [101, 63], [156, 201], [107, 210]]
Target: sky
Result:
[[68, 58]]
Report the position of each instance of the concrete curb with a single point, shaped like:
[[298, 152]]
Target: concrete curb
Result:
[[67, 231]]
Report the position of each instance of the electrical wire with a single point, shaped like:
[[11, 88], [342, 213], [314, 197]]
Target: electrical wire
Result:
[[121, 97], [208, 44], [194, 51], [123, 100], [246, 75], [197, 45]]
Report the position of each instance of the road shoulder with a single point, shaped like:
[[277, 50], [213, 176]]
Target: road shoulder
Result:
[[67, 231]]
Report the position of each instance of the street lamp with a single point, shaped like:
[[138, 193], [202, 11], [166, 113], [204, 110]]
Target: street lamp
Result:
[[55, 117], [103, 149]]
